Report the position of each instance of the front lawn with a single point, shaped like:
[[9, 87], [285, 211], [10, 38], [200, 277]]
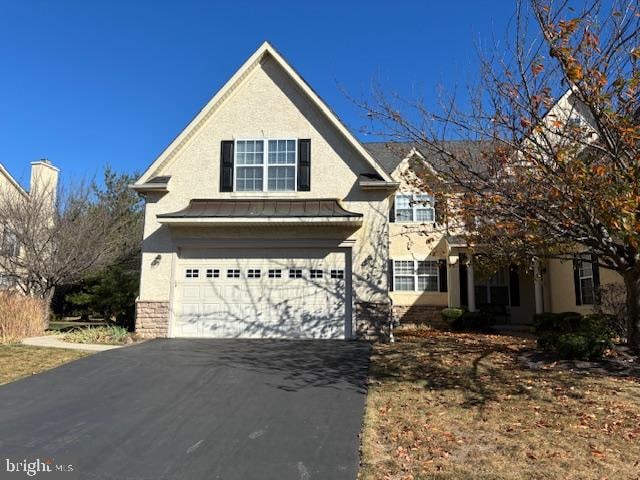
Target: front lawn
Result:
[[17, 361], [462, 406]]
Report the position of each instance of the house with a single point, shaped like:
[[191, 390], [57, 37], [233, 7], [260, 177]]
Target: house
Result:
[[266, 218], [44, 178], [431, 266]]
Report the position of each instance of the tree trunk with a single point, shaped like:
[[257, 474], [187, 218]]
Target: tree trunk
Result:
[[46, 299], [632, 285]]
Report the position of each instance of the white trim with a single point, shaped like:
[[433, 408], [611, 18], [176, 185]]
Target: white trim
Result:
[[172, 288], [203, 221], [12, 180], [263, 243], [416, 275], [265, 49], [265, 165], [413, 205]]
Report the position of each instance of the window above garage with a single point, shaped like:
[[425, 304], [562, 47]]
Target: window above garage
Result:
[[265, 165]]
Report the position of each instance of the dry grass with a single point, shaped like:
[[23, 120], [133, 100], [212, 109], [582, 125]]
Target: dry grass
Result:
[[18, 361], [20, 316], [460, 406]]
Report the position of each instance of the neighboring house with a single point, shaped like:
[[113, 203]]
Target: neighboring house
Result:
[[44, 178], [266, 218]]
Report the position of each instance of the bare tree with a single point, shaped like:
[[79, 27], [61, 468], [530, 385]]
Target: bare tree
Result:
[[552, 165], [57, 238]]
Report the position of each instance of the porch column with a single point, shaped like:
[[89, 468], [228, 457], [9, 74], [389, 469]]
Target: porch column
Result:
[[537, 287], [471, 286]]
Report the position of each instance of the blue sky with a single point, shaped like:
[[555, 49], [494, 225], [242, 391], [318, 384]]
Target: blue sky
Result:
[[88, 83]]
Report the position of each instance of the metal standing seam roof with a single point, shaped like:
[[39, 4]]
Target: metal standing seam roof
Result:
[[264, 208]]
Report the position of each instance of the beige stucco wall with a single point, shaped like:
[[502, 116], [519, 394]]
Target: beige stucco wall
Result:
[[559, 283], [268, 104], [415, 241]]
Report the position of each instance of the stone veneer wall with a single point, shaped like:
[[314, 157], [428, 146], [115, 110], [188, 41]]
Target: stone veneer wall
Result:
[[419, 315], [152, 319], [372, 320]]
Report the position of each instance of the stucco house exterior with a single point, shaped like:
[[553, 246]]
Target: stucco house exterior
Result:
[[431, 266], [267, 218], [43, 178]]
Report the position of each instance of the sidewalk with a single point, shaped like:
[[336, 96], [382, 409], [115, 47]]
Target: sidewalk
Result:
[[55, 341]]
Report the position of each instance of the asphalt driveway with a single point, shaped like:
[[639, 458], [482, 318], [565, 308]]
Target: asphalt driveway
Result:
[[193, 409]]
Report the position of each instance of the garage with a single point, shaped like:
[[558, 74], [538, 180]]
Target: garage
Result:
[[257, 293]]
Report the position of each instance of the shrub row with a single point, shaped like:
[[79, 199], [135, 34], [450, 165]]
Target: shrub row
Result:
[[570, 335], [460, 319]]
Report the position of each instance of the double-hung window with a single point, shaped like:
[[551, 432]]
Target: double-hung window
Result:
[[415, 275], [265, 165], [585, 274], [414, 208]]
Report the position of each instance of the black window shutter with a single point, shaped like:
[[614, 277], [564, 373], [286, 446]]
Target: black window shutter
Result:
[[514, 286], [390, 275], [442, 273], [438, 209], [464, 293], [226, 166], [392, 209], [576, 281], [304, 165], [596, 276]]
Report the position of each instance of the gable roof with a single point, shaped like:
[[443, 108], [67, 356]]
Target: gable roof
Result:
[[212, 105], [391, 154]]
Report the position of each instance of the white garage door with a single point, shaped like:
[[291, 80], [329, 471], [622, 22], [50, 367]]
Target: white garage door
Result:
[[239, 294]]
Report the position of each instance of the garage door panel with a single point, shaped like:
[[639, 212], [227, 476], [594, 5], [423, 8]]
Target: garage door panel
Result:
[[259, 304]]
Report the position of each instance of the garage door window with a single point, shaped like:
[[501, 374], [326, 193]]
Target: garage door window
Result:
[[254, 273], [213, 273], [275, 273], [337, 274], [295, 273], [316, 273], [192, 273], [233, 273]]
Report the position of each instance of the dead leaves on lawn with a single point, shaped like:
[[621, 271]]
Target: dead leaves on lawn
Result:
[[449, 406]]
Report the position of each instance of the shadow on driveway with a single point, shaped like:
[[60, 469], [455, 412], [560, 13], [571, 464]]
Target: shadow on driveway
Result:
[[194, 409]]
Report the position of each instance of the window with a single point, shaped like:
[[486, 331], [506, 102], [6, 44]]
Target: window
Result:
[[414, 208], [275, 273], [315, 273], [249, 165], [404, 275], [418, 276], [10, 245], [295, 273], [213, 273], [338, 274], [281, 172], [192, 273], [427, 276], [7, 281], [233, 273], [254, 273], [276, 174], [585, 275]]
